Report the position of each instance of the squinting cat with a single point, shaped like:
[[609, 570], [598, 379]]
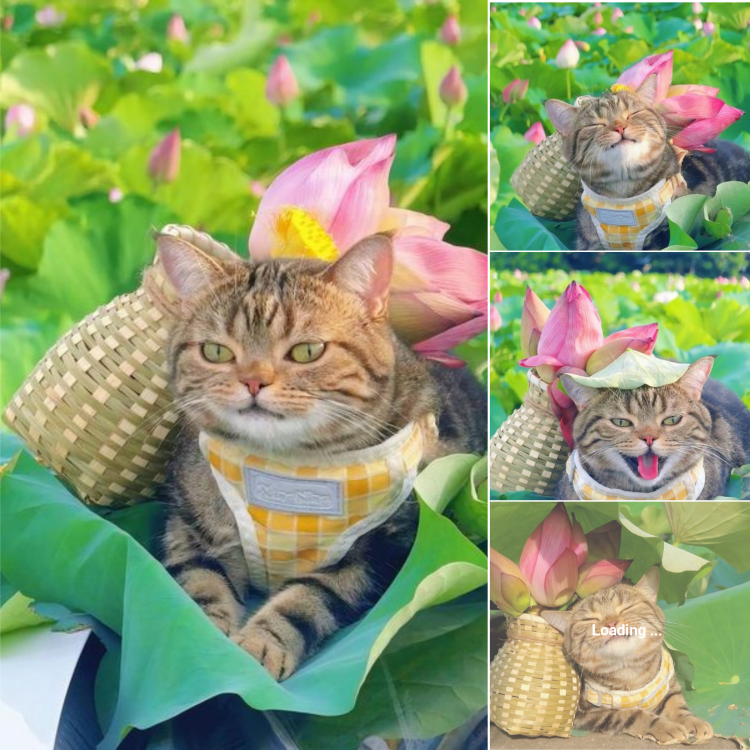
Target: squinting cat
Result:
[[619, 144], [286, 356], [625, 663], [639, 440]]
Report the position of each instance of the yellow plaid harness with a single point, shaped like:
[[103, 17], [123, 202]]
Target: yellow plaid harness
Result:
[[295, 515], [647, 697], [625, 223], [687, 486]]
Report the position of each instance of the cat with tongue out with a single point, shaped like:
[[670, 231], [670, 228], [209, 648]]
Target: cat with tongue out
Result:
[[672, 442]]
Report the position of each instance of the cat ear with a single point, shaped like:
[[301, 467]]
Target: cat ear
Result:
[[188, 268], [557, 619], [647, 90], [696, 376], [366, 270], [649, 584], [582, 395], [563, 115]]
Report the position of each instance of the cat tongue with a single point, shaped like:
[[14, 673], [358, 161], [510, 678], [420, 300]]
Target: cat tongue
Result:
[[648, 466]]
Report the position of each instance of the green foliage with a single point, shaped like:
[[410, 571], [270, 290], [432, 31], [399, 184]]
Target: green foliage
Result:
[[520, 51]]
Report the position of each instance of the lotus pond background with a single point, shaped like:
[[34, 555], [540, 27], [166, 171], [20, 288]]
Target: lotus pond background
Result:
[[704, 589], [702, 308], [518, 51], [108, 81]]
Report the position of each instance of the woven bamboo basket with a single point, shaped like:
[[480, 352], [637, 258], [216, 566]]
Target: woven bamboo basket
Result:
[[546, 183], [96, 410], [533, 688], [528, 452]]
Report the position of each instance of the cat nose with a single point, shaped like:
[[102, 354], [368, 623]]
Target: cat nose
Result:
[[253, 385], [619, 129], [613, 624], [649, 439]]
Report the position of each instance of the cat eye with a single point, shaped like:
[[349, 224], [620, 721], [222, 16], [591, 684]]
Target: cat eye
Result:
[[672, 420], [307, 352], [216, 353], [621, 422]]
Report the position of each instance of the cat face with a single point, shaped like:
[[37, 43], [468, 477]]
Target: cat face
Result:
[[638, 440], [285, 353], [617, 136], [632, 606]]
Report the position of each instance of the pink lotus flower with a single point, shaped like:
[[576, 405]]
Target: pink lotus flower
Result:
[[521, 12], [451, 31], [20, 118], [535, 133], [164, 161], [617, 14], [658, 65], [745, 282], [594, 576], [151, 63], [115, 195], [583, 46], [453, 89], [571, 335], [176, 29], [551, 558], [601, 31], [697, 8], [533, 318], [701, 131], [628, 29], [439, 291], [50, 17], [709, 28], [598, 18], [604, 541], [507, 588], [4, 276], [568, 56], [515, 91], [535, 23], [281, 87], [640, 338], [498, 297], [496, 321]]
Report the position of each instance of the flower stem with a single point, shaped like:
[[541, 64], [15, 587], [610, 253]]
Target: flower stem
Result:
[[567, 81], [282, 131]]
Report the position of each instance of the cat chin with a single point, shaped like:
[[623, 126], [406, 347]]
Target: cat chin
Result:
[[622, 158]]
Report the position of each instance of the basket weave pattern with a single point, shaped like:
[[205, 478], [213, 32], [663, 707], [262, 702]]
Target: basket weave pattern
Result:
[[534, 690], [528, 452], [546, 183], [96, 409]]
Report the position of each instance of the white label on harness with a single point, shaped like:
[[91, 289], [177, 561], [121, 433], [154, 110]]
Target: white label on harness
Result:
[[319, 497], [616, 217]]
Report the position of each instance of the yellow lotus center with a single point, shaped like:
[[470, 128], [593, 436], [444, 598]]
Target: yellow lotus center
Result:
[[300, 235], [620, 87]]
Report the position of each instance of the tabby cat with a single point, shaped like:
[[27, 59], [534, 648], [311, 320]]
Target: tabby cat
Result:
[[285, 355], [639, 440], [619, 144], [625, 662]]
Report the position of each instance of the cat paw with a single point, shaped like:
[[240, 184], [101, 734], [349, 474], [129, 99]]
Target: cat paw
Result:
[[667, 733], [270, 650], [701, 730]]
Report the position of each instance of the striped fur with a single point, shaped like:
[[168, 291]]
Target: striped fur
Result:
[[365, 387], [625, 165], [714, 425], [625, 662]]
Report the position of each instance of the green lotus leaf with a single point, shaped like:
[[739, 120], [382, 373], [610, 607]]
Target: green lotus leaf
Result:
[[633, 369]]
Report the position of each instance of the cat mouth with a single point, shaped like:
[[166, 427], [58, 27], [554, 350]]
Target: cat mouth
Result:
[[645, 466], [623, 141], [256, 410]]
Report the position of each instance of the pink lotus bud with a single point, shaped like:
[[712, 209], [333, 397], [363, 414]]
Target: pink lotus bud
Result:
[[708, 28], [89, 118], [522, 12], [568, 56], [535, 23], [745, 282], [551, 558], [617, 14], [515, 91], [4, 276], [628, 29], [453, 89], [164, 161], [533, 318], [604, 541], [697, 8], [599, 32], [49, 17], [583, 46], [598, 18], [176, 29], [151, 63], [498, 298], [570, 336], [701, 131], [640, 338], [115, 195], [535, 133], [635, 286], [451, 31], [20, 118], [658, 65], [257, 188], [507, 588], [594, 576], [496, 321], [282, 87], [8, 21], [698, 24]]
